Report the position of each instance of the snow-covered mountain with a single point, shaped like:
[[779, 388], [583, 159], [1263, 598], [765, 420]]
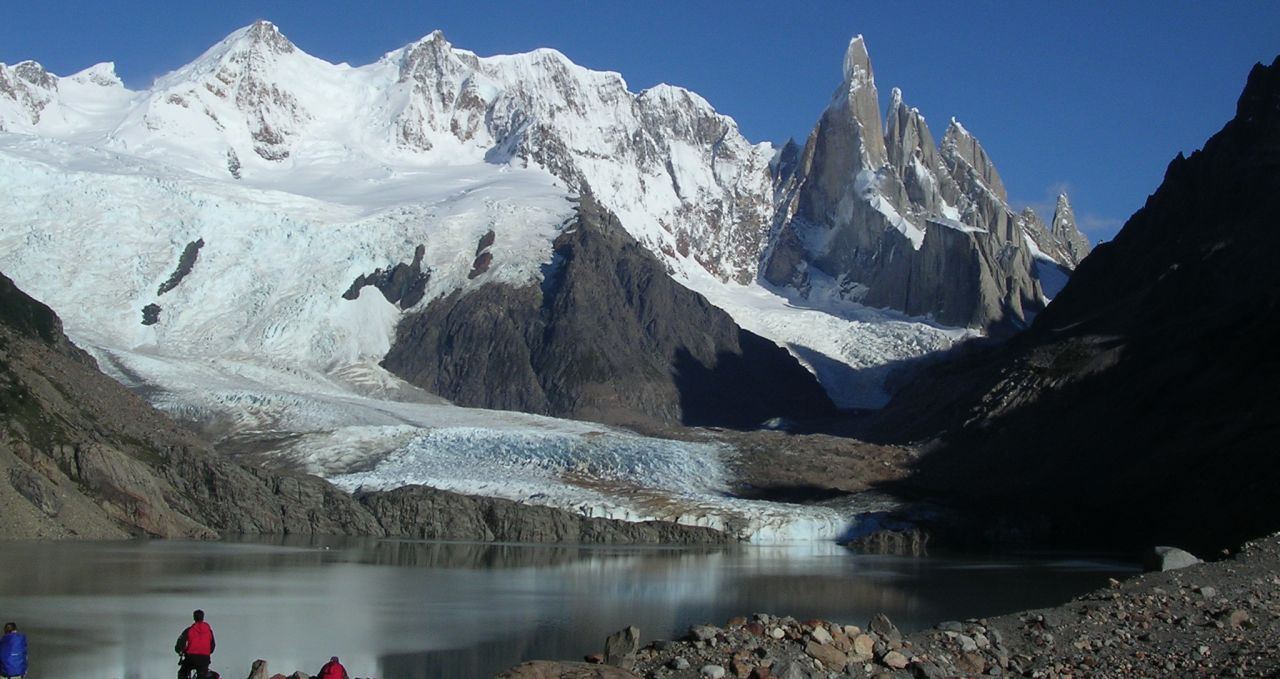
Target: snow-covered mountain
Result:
[[241, 241], [264, 126], [257, 108]]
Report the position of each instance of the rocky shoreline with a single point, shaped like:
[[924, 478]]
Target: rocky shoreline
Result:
[[1220, 619]]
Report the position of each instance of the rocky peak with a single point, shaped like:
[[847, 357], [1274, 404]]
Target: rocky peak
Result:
[[265, 35], [35, 74], [242, 70], [30, 88], [857, 64], [913, 154], [443, 95], [1031, 219], [899, 221], [969, 163], [858, 103], [248, 51], [433, 59], [1074, 244]]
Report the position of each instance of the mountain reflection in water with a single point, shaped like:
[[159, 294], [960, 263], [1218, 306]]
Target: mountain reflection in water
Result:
[[403, 609]]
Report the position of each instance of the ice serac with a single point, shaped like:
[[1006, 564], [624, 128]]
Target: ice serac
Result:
[[890, 220]]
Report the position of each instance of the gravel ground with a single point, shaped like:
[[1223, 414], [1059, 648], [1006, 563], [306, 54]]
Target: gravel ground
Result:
[[1210, 619]]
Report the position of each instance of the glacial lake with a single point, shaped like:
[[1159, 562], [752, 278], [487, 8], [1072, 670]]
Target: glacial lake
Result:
[[411, 610]]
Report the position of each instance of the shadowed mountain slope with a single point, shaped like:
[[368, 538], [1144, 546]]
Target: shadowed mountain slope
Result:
[[1141, 403], [607, 336]]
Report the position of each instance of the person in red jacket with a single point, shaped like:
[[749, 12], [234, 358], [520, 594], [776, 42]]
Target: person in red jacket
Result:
[[333, 670], [194, 647]]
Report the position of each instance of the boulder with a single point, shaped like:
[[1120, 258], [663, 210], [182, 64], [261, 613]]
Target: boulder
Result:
[[923, 669], [863, 645], [882, 626], [821, 635], [786, 668], [830, 656], [895, 660], [703, 632], [259, 670], [620, 648], [1168, 559]]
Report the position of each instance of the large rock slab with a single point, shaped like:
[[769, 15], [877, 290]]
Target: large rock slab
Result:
[[1168, 559]]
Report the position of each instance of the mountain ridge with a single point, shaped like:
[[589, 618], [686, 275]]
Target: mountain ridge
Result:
[[680, 175]]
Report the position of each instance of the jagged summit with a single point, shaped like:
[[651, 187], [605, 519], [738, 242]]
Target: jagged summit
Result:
[[1065, 230], [34, 73], [965, 153], [898, 221], [857, 63], [266, 35], [255, 42]]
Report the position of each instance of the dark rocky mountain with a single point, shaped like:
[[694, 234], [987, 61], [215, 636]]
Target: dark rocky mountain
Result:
[[1141, 403], [608, 336], [81, 456]]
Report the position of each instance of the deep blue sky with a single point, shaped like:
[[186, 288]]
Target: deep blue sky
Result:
[[1091, 97]]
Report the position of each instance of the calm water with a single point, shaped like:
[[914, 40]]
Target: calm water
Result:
[[405, 610]]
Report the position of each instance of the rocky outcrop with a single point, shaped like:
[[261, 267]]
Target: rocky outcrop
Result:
[[80, 456], [27, 87], [891, 220], [402, 284], [1134, 407], [186, 262], [607, 336]]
